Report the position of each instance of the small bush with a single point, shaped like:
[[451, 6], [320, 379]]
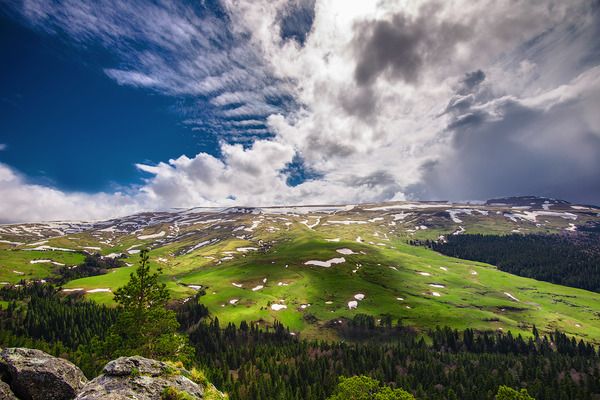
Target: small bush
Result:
[[171, 393]]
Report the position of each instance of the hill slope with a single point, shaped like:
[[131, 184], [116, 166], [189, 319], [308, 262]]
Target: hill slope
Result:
[[315, 267]]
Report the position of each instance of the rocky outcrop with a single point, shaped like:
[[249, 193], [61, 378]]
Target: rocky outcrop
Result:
[[140, 378], [35, 375], [5, 392]]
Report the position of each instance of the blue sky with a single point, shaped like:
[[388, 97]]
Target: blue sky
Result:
[[66, 123], [115, 107]]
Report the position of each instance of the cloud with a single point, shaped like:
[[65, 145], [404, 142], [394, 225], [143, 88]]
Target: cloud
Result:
[[543, 145], [185, 50], [296, 20], [3, 146], [402, 46], [472, 79], [379, 100], [24, 201]]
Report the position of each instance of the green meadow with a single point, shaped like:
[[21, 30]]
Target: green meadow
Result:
[[259, 274]]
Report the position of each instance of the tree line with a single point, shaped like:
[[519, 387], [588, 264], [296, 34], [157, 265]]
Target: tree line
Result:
[[569, 260]]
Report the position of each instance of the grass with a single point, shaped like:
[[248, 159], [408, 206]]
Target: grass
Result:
[[474, 295], [16, 265]]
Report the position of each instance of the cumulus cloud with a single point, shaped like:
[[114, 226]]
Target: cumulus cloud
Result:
[[380, 100], [24, 201]]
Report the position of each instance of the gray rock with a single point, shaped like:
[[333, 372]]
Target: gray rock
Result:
[[35, 375], [5, 392], [138, 378]]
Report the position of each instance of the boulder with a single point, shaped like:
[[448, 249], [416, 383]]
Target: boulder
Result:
[[35, 375], [139, 378], [5, 392]]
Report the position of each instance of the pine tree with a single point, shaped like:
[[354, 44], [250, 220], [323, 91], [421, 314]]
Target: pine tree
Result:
[[145, 326]]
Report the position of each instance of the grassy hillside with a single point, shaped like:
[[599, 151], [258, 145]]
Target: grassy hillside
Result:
[[253, 267]]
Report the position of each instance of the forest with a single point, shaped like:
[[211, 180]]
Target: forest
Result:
[[258, 361], [570, 260]]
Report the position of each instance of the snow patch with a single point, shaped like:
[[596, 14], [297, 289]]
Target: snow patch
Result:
[[460, 230], [401, 216], [49, 248], [46, 261], [326, 264], [511, 296], [347, 222], [345, 251], [103, 290], [153, 236], [410, 206], [246, 249], [9, 242]]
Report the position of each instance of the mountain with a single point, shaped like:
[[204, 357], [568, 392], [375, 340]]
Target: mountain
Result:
[[314, 268]]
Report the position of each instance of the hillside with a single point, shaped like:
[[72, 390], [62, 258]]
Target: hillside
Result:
[[314, 268]]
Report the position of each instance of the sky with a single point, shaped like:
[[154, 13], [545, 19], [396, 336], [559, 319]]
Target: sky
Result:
[[108, 108]]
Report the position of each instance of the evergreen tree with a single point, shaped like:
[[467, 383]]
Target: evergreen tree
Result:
[[144, 325], [507, 393], [365, 388]]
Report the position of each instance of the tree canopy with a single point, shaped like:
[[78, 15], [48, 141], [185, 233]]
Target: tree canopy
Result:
[[364, 388]]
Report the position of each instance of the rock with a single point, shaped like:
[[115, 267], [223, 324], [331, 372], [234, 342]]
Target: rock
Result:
[[35, 375], [5, 392], [139, 378]]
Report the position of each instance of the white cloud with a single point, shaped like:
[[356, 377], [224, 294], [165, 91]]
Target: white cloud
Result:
[[23, 201], [370, 139], [3, 146]]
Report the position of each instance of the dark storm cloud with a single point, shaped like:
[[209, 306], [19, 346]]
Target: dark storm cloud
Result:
[[467, 94], [472, 79], [358, 101], [401, 46], [550, 152], [381, 183]]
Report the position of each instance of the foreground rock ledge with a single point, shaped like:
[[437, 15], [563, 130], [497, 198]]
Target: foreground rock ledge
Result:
[[35, 375], [28, 374], [138, 378]]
